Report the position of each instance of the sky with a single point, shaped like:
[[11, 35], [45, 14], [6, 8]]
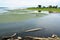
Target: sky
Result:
[[28, 3]]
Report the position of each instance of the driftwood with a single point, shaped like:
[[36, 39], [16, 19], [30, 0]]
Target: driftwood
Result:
[[8, 37]]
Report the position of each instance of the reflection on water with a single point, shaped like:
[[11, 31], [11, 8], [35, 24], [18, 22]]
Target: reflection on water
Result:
[[50, 23]]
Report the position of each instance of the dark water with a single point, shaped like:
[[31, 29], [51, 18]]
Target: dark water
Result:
[[50, 25]]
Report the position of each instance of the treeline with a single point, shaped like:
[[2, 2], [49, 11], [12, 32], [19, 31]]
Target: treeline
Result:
[[50, 6]]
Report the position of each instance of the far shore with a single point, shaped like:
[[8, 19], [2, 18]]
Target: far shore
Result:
[[53, 10]]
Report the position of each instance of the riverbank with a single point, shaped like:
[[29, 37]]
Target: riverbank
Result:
[[57, 10]]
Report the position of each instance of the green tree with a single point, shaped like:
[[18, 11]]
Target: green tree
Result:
[[44, 7], [55, 6], [39, 6], [50, 6]]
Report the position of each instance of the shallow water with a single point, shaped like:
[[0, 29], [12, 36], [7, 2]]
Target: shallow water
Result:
[[49, 23]]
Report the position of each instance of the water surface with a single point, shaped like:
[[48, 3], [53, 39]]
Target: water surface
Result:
[[49, 23]]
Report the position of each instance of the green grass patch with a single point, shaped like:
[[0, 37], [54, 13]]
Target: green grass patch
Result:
[[18, 17], [46, 9]]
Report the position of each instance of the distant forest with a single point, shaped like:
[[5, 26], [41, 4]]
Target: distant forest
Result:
[[50, 6]]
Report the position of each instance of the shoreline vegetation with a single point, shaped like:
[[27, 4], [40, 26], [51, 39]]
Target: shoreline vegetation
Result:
[[50, 8], [53, 10]]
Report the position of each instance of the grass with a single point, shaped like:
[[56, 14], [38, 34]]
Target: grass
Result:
[[17, 17], [13, 17], [46, 9]]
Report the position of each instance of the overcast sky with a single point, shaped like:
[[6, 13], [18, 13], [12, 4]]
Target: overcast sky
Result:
[[28, 3]]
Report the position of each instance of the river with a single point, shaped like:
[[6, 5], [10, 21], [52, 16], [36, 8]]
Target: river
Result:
[[50, 24]]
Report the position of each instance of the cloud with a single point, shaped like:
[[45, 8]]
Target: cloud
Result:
[[26, 3]]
